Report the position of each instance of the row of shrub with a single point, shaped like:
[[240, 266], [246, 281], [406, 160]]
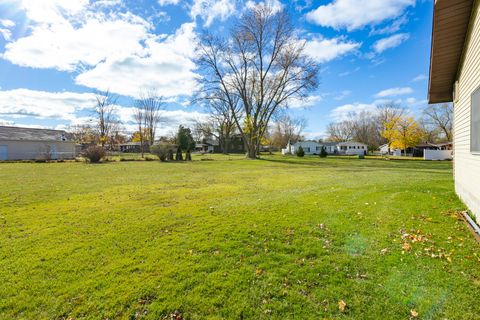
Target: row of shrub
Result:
[[164, 152], [301, 153], [167, 152]]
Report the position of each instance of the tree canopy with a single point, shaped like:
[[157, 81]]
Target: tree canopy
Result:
[[184, 139]]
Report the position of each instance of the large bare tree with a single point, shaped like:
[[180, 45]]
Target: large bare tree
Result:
[[149, 107], [105, 112], [262, 64], [147, 117], [286, 128], [340, 131], [440, 117], [139, 117], [83, 134], [365, 129], [221, 123]]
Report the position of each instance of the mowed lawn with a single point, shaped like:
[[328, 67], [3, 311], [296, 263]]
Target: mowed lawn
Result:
[[278, 238]]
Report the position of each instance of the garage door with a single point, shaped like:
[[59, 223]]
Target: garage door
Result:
[[3, 153]]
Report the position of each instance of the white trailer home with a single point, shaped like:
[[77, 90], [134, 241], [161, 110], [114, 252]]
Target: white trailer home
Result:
[[352, 148]]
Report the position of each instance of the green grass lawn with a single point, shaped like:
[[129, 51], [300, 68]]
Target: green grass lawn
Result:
[[278, 238]]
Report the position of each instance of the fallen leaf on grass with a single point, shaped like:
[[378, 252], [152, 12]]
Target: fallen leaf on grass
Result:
[[258, 272], [176, 315], [414, 313], [406, 246], [384, 251], [342, 305]]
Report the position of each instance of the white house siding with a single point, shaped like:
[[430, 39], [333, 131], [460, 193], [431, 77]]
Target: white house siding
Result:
[[466, 164], [309, 147], [352, 148], [31, 150]]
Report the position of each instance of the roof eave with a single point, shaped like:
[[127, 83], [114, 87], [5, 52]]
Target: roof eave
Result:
[[449, 32]]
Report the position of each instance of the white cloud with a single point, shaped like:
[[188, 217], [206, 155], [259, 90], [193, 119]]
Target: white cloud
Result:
[[310, 101], [276, 5], [395, 26], [209, 10], [390, 42], [355, 14], [42, 104], [346, 111], [301, 5], [394, 92], [414, 102], [7, 23], [6, 34], [420, 77], [109, 49], [343, 95], [4, 122], [169, 120], [324, 50], [167, 67], [52, 11], [168, 2], [22, 125], [66, 45], [349, 72], [5, 26]]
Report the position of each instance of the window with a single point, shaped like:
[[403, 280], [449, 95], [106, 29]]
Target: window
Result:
[[475, 122], [307, 149]]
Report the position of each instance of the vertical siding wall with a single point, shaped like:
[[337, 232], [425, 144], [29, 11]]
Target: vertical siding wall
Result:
[[467, 165]]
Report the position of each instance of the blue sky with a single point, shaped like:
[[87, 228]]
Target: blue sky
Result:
[[55, 53]]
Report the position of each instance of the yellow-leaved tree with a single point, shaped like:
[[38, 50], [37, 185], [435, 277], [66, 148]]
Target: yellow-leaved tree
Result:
[[406, 133], [389, 131]]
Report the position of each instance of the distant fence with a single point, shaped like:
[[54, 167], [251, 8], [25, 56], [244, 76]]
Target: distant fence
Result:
[[437, 155]]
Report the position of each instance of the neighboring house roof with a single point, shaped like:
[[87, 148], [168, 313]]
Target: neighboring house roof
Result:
[[212, 142], [329, 144], [450, 26], [305, 141], [130, 144], [207, 142], [351, 143], [443, 144], [30, 134], [435, 145]]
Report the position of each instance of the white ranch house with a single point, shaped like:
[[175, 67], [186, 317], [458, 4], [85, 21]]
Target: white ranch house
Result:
[[314, 147]]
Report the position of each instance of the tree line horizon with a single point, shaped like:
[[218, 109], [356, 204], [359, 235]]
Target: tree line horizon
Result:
[[249, 79]]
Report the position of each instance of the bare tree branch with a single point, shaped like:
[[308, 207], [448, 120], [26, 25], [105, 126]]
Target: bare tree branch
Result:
[[258, 70]]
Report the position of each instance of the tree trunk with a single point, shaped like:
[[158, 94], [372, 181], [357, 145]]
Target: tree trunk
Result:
[[226, 145], [251, 152], [223, 145]]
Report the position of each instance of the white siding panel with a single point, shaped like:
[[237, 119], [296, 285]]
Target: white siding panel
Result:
[[467, 165]]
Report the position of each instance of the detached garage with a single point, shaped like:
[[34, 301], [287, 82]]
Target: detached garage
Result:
[[35, 144]]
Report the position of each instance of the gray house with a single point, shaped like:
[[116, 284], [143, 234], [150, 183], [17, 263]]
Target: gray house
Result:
[[35, 144]]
